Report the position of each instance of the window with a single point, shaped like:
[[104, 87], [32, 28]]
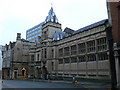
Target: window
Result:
[[32, 57], [101, 44], [60, 61], [42, 54], [74, 60], [52, 53], [82, 59], [61, 52], [91, 57], [102, 56], [66, 51], [81, 48], [52, 65], [66, 60], [45, 35], [73, 50], [38, 57], [91, 46], [45, 53]]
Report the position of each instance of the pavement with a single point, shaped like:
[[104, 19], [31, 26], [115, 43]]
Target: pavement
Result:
[[16, 84], [0, 84], [83, 83], [88, 84]]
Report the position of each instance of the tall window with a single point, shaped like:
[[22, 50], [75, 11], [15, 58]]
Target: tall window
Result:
[[82, 59], [73, 50], [66, 51], [42, 54], [45, 35], [61, 52], [74, 60], [45, 54], [52, 53], [52, 65], [60, 61], [102, 56], [32, 57], [38, 57], [91, 46], [101, 44], [81, 48], [91, 57], [66, 60]]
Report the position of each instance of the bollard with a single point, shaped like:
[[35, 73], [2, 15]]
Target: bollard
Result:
[[76, 82], [49, 80]]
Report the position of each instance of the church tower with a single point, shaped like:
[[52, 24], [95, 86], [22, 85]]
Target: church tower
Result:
[[51, 26]]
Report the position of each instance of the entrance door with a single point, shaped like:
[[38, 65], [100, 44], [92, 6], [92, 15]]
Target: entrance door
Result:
[[15, 75]]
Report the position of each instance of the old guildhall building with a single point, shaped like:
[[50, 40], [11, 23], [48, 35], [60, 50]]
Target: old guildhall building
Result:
[[59, 54]]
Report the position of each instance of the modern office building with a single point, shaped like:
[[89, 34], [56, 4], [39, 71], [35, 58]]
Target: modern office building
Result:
[[33, 33]]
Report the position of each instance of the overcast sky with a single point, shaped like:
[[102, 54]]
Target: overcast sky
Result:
[[17, 16]]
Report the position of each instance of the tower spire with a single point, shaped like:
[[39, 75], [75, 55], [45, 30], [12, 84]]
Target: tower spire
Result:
[[51, 16]]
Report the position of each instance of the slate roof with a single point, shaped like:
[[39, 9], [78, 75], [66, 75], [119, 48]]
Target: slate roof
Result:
[[68, 30], [58, 35], [91, 26]]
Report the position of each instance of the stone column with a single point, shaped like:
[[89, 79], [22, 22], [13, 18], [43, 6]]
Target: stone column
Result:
[[117, 62]]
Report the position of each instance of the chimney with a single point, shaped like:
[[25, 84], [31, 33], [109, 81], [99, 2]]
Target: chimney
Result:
[[18, 36]]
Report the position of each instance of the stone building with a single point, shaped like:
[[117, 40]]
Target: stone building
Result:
[[7, 57], [16, 59], [61, 54], [20, 63], [82, 53]]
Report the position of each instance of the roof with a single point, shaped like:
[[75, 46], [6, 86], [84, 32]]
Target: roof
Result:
[[12, 44], [58, 35], [68, 30], [91, 26], [51, 17]]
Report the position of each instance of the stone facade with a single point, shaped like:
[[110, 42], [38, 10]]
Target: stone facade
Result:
[[82, 53], [16, 59], [7, 56], [20, 63]]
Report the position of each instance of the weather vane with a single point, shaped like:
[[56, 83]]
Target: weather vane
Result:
[[51, 4]]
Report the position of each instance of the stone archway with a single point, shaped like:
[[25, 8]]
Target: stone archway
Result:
[[24, 72]]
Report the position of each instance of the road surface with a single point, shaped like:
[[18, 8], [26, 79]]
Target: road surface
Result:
[[33, 84]]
